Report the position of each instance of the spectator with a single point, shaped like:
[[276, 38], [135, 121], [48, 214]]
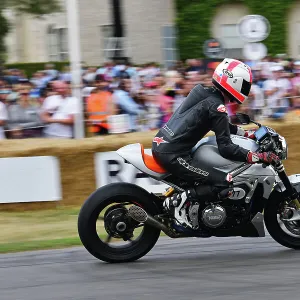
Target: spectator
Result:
[[256, 101], [125, 102], [3, 113], [59, 111], [275, 89], [23, 117], [296, 85], [181, 93], [50, 70], [153, 91], [99, 106], [166, 102], [89, 75], [66, 74]]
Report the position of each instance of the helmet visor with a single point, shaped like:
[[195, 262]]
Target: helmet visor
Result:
[[246, 86]]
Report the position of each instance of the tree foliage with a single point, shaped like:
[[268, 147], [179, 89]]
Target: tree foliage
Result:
[[4, 28], [36, 8], [194, 19], [33, 7]]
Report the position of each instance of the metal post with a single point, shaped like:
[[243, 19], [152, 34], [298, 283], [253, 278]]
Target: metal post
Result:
[[75, 61]]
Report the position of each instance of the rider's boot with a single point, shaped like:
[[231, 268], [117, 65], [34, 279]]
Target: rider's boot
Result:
[[178, 207]]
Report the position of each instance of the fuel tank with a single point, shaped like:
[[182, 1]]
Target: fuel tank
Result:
[[207, 157]]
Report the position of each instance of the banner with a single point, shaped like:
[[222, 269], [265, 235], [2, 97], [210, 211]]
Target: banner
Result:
[[118, 123], [110, 167], [30, 179]]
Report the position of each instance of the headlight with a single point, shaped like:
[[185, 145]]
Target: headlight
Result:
[[284, 147]]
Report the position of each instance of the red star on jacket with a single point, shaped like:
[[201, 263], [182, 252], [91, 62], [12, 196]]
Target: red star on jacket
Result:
[[159, 140], [222, 108]]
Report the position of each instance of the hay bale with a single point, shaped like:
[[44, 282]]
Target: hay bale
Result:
[[77, 158], [76, 163]]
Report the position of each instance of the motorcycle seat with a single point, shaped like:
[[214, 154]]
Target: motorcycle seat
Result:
[[151, 163]]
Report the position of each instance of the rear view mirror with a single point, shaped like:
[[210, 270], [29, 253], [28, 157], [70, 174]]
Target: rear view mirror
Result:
[[243, 118]]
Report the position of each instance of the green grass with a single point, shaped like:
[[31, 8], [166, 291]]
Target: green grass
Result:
[[39, 245], [38, 230], [35, 230]]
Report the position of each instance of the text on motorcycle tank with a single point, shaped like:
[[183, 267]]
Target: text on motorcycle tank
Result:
[[191, 168], [159, 140]]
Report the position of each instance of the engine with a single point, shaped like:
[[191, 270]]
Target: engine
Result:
[[214, 216], [216, 213]]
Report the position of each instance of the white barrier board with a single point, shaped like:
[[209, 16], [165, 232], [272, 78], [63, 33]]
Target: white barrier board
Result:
[[30, 179], [110, 167]]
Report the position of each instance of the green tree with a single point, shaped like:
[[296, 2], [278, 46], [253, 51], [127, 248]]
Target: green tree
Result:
[[4, 28], [37, 8]]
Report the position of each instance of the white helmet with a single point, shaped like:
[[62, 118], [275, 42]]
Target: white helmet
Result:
[[234, 78]]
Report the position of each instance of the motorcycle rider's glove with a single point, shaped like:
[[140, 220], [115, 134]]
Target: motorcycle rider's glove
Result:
[[250, 134], [264, 157], [246, 133]]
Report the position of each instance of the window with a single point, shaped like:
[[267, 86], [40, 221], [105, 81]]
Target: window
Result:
[[107, 32], [63, 44], [57, 44], [231, 41], [169, 45], [52, 44]]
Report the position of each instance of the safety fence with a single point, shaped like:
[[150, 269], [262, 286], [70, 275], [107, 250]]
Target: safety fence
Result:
[[151, 116]]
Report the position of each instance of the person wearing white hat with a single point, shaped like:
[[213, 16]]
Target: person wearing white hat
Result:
[[296, 84], [275, 90]]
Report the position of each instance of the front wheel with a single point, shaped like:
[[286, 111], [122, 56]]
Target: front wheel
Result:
[[106, 230], [286, 233]]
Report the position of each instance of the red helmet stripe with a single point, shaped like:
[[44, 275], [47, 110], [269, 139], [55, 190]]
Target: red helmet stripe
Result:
[[232, 65], [233, 92]]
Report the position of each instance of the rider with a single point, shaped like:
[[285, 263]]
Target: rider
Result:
[[204, 110]]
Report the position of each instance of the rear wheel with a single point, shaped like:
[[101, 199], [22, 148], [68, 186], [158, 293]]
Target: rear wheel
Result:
[[107, 231], [286, 233]]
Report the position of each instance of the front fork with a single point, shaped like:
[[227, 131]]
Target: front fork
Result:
[[291, 191]]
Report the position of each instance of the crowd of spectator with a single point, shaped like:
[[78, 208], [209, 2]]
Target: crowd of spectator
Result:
[[134, 98]]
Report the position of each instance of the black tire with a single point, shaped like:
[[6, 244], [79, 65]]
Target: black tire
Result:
[[273, 227], [123, 192]]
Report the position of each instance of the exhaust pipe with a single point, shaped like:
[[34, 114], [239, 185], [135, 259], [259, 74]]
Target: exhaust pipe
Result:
[[141, 216]]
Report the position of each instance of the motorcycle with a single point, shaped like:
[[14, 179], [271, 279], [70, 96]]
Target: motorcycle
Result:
[[256, 195]]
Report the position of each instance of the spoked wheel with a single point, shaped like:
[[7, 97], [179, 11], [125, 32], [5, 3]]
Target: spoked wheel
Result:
[[285, 232], [107, 231]]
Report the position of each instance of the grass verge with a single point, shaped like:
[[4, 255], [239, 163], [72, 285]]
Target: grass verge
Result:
[[36, 230], [39, 245]]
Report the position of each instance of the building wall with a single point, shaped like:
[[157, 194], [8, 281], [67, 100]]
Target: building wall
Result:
[[294, 30], [144, 21], [28, 41], [10, 40], [93, 15]]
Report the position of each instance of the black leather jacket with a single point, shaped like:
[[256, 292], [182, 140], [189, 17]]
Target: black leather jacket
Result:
[[203, 110]]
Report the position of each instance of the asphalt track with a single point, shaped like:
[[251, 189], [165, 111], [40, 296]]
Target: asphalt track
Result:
[[230, 268]]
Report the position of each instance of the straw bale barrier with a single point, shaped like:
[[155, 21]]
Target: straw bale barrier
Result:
[[77, 159]]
